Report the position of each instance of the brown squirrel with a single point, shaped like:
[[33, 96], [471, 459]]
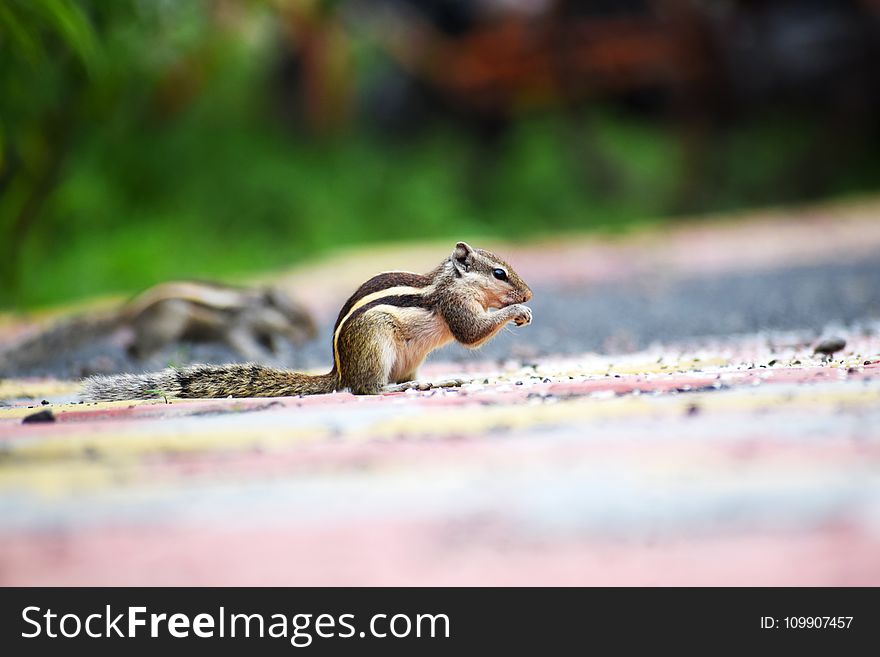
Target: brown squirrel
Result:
[[382, 334], [249, 320]]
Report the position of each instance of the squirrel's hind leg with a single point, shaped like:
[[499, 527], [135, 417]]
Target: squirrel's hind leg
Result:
[[374, 347]]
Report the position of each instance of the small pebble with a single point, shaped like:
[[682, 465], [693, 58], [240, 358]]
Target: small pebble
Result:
[[40, 416], [829, 346]]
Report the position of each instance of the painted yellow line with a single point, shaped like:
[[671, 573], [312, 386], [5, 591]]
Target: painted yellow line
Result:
[[138, 439], [476, 420], [18, 412]]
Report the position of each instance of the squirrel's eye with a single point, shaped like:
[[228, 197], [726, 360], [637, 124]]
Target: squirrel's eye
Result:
[[500, 274]]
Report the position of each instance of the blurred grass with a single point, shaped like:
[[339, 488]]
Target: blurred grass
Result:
[[220, 192], [221, 197], [155, 186]]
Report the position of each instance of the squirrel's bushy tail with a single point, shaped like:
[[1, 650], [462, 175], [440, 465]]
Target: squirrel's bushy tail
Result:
[[237, 380]]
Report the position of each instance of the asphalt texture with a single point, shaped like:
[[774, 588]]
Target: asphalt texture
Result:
[[617, 316]]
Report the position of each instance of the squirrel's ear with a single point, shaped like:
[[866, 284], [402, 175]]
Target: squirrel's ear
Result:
[[462, 252]]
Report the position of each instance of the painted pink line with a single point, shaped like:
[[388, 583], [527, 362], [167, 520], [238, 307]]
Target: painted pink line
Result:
[[402, 553], [431, 458]]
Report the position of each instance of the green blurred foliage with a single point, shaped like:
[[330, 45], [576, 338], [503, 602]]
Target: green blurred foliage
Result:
[[139, 144]]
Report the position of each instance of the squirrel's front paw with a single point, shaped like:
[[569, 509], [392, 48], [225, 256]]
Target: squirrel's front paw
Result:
[[522, 315]]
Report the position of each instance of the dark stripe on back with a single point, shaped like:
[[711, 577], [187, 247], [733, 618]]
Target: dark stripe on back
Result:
[[184, 381], [253, 376], [396, 300], [382, 282]]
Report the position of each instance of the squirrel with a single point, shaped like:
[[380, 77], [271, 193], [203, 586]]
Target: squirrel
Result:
[[249, 320], [381, 335]]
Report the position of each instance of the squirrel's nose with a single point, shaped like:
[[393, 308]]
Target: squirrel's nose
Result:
[[527, 294]]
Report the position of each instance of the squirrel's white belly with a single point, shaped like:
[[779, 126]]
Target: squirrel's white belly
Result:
[[420, 331]]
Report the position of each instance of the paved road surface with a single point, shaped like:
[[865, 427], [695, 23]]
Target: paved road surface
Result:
[[726, 453]]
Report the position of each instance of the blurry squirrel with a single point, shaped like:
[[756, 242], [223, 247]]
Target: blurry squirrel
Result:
[[249, 320], [381, 336]]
